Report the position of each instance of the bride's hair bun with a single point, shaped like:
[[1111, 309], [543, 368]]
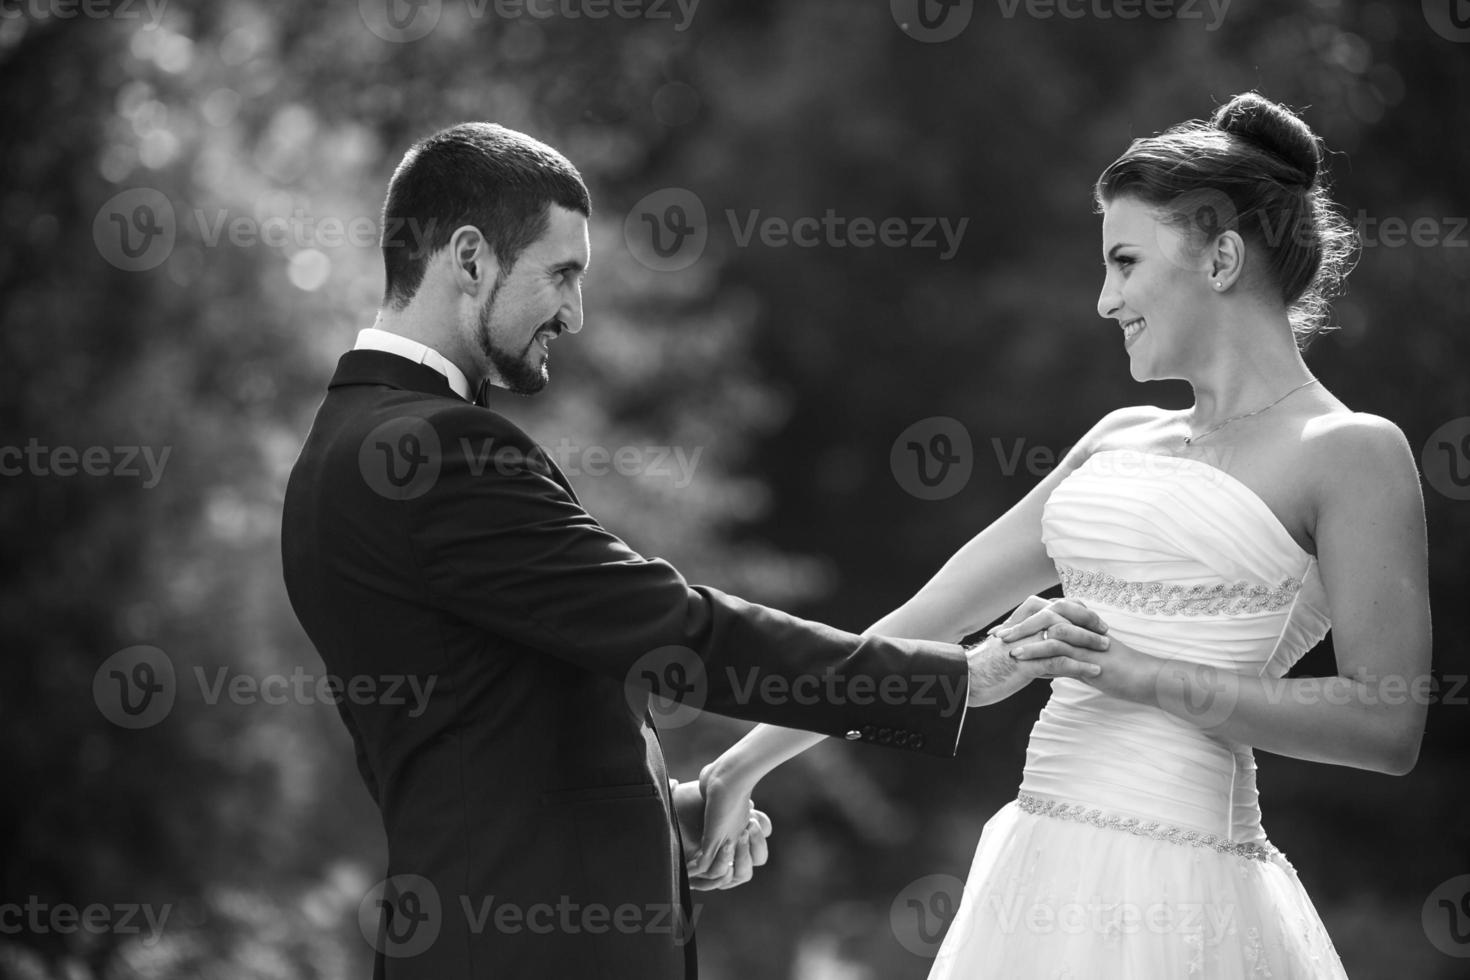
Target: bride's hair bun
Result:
[[1273, 128], [1254, 167]]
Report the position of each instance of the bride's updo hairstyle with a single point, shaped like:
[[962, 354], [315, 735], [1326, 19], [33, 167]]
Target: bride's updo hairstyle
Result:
[[1255, 168]]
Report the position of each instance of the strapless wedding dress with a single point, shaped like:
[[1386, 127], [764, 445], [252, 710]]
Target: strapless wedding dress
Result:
[[1135, 850]]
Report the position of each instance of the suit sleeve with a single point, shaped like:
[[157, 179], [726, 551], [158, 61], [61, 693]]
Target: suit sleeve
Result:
[[509, 549]]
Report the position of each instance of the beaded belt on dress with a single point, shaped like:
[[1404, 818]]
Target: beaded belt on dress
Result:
[[1152, 829]]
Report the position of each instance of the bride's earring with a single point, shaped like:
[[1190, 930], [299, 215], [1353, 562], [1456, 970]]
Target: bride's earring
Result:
[[1219, 284]]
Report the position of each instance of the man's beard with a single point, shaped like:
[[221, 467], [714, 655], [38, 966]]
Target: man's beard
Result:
[[515, 370]]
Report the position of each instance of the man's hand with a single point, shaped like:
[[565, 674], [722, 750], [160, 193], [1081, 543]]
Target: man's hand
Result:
[[730, 857], [1059, 636]]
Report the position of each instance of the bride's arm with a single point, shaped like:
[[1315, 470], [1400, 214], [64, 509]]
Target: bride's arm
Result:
[[992, 573], [1372, 553]]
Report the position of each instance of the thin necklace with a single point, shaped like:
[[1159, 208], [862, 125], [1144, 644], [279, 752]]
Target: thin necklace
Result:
[[1191, 440]]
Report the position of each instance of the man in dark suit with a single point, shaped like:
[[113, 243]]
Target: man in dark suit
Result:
[[532, 828]]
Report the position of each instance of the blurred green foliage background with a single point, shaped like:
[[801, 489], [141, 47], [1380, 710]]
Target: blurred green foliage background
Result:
[[790, 370]]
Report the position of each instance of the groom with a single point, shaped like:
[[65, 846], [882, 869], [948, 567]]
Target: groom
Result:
[[532, 828]]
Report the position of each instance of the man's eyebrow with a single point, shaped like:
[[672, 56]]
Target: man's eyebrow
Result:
[[570, 265]]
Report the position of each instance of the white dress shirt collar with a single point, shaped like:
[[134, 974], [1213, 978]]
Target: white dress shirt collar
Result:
[[372, 338]]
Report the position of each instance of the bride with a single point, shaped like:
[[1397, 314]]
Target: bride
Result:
[[1218, 543]]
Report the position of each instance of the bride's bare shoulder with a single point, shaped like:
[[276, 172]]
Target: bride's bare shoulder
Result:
[[1345, 447], [1132, 426]]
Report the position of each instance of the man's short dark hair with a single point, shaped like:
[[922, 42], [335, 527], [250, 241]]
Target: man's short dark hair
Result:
[[481, 174]]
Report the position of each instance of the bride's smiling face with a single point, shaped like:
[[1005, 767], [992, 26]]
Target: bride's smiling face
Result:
[[1156, 287]]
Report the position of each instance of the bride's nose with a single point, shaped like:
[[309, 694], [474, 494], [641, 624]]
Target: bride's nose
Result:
[[1108, 301]]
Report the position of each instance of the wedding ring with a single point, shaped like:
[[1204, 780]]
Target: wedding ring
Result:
[[1043, 634]]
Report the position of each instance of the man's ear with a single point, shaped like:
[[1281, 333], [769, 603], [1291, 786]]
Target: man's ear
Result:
[[472, 262]]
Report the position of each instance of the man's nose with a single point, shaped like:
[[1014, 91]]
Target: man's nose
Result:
[[571, 311]]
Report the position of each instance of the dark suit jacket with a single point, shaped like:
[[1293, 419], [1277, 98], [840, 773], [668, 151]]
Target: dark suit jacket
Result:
[[525, 799]]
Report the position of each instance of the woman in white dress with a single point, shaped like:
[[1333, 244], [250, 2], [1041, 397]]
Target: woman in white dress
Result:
[[1217, 543]]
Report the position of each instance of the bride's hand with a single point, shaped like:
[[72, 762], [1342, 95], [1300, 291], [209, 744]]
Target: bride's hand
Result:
[[1038, 615], [733, 843], [1125, 672]]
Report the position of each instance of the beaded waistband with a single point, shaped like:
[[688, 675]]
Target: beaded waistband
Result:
[[1152, 829], [1156, 598]]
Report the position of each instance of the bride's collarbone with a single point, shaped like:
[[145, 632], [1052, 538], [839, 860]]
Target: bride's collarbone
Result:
[[1269, 465]]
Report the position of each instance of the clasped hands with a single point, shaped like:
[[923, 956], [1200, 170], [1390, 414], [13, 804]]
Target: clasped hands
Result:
[[1051, 638], [1040, 638], [724, 834], [1059, 638]]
